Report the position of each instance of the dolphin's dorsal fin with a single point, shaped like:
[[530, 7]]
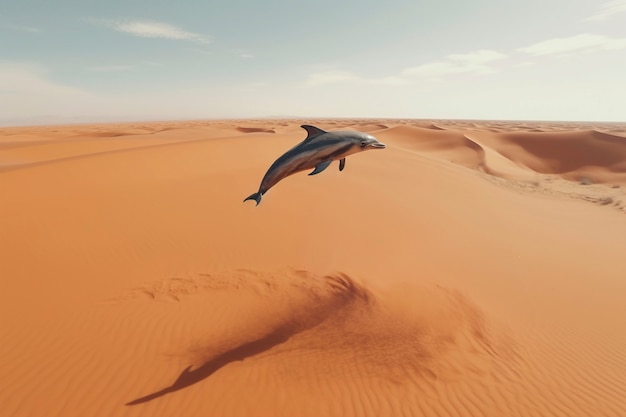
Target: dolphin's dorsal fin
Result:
[[312, 131]]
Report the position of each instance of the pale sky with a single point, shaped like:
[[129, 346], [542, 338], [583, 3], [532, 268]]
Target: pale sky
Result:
[[120, 60]]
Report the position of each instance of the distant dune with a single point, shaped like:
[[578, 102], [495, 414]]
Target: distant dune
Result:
[[472, 268]]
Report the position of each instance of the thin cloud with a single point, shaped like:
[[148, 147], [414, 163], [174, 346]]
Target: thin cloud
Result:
[[112, 68], [474, 62], [27, 94], [20, 77], [27, 29], [608, 10], [337, 76], [149, 29], [478, 57], [331, 77], [477, 62], [580, 43], [254, 86]]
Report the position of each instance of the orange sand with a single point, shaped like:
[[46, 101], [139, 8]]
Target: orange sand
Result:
[[470, 269]]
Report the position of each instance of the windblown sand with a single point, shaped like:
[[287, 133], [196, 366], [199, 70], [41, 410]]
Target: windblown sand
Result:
[[469, 269]]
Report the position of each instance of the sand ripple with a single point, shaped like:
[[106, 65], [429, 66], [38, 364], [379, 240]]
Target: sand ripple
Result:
[[352, 342]]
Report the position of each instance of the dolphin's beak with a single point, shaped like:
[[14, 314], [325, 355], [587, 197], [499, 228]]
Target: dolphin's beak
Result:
[[378, 145]]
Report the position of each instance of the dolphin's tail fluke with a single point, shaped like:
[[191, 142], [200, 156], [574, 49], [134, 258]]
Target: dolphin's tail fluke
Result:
[[256, 197]]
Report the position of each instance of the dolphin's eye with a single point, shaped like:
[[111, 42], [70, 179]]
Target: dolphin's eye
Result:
[[363, 144]]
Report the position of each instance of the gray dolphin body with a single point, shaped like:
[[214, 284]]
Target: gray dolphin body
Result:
[[317, 151]]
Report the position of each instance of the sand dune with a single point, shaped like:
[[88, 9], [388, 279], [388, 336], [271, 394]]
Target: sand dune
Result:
[[573, 155], [450, 145], [462, 271], [255, 129]]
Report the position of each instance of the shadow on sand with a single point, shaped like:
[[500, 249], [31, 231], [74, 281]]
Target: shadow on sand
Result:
[[187, 377], [342, 291]]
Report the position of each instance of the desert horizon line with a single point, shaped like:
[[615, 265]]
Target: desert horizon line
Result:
[[42, 123]]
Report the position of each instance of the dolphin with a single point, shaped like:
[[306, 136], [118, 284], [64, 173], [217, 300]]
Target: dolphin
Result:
[[317, 151]]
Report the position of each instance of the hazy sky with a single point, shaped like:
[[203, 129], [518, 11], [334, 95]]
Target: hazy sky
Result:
[[80, 61]]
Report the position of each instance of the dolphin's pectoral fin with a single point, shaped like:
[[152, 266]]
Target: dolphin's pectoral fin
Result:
[[342, 164], [320, 167]]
